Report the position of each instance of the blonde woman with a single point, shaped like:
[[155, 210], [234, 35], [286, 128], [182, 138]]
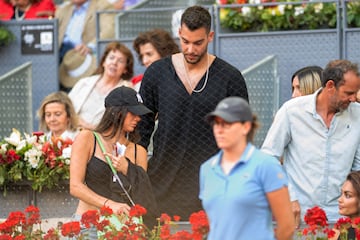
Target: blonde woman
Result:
[[306, 81], [57, 116]]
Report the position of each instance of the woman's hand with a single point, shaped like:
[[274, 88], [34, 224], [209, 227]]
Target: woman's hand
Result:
[[118, 208], [120, 163]]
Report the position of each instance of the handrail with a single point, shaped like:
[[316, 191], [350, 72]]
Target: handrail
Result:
[[15, 71]]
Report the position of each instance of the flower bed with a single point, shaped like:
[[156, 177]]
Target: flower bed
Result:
[[43, 162], [318, 227], [275, 15], [27, 225]]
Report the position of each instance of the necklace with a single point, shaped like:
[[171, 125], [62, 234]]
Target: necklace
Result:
[[188, 78], [18, 16]]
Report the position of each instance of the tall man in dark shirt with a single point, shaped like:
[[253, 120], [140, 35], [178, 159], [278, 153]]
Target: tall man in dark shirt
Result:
[[180, 90]]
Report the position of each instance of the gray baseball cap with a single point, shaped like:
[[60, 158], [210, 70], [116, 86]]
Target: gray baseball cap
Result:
[[232, 109]]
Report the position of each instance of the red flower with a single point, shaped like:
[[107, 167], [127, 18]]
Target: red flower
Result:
[[343, 223], [177, 218], [223, 2], [101, 225], [90, 217], [5, 237], [164, 218], [137, 211], [316, 216], [38, 134], [17, 218], [356, 221], [51, 235], [53, 149], [20, 237], [106, 211], [165, 232], [10, 157], [329, 232], [181, 235], [34, 215], [199, 224], [70, 229]]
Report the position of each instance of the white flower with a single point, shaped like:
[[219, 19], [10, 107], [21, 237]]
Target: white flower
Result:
[[67, 161], [318, 7], [30, 139], [33, 156], [245, 10], [42, 139], [14, 138], [66, 153], [281, 9], [254, 1], [298, 11], [21, 145], [3, 148]]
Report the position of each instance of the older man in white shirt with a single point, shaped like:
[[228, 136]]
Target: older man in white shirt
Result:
[[319, 137]]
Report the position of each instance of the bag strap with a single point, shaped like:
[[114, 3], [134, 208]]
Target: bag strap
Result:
[[103, 150], [112, 167]]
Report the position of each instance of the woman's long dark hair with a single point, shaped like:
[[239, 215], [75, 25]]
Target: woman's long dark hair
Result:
[[113, 119]]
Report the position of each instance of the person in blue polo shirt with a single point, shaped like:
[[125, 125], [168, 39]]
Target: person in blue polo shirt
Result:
[[242, 189]]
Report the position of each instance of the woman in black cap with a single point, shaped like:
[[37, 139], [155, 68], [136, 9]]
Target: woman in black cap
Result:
[[91, 177], [241, 187]]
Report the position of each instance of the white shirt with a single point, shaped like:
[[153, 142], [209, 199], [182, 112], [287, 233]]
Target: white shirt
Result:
[[317, 159]]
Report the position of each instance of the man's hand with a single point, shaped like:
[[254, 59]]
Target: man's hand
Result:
[[82, 49], [296, 211]]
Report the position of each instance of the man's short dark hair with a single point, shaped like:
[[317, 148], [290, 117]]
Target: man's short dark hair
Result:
[[336, 69], [196, 17]]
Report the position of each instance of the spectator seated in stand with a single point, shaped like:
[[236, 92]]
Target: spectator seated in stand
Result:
[[306, 81], [151, 46], [115, 70], [77, 28], [26, 9], [57, 116]]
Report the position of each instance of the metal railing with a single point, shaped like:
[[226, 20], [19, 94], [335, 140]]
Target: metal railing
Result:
[[16, 100], [263, 87]]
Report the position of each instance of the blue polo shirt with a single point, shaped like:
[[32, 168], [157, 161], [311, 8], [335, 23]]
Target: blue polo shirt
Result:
[[236, 203]]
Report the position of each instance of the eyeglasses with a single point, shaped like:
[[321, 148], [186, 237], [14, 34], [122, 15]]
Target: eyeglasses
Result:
[[222, 124]]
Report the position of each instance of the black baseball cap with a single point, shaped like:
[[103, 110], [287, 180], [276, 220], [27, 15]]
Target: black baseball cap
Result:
[[126, 97], [232, 109]]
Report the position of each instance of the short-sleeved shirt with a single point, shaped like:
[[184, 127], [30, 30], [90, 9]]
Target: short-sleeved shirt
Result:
[[236, 204]]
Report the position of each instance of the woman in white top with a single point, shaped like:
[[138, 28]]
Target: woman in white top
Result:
[[57, 116], [88, 94]]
